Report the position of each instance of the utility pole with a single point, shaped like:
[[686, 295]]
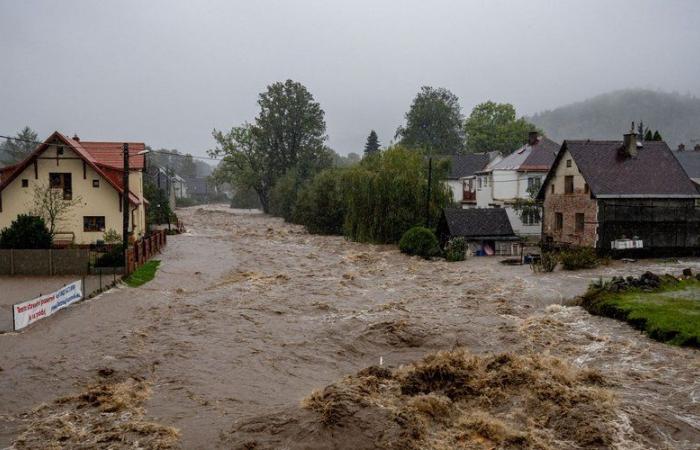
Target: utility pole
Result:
[[427, 200], [125, 206]]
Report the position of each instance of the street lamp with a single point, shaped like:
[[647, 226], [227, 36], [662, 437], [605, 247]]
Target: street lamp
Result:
[[125, 201]]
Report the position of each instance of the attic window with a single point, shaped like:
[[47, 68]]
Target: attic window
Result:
[[25, 182], [59, 150], [568, 163], [96, 183]]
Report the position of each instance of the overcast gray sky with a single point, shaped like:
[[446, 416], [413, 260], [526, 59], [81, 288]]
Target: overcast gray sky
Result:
[[167, 72]]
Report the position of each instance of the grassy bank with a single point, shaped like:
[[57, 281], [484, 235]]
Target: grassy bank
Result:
[[143, 274], [670, 313]]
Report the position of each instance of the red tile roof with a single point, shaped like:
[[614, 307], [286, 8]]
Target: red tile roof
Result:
[[110, 153], [104, 151]]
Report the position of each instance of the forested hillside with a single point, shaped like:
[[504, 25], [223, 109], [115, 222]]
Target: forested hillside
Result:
[[607, 116]]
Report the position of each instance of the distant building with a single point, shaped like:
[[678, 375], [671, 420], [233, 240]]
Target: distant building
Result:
[[200, 189], [180, 187], [91, 171], [487, 231], [690, 161], [461, 176], [163, 180], [620, 195], [515, 177]]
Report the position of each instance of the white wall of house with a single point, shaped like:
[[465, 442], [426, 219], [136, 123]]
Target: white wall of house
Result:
[[456, 189], [100, 201]]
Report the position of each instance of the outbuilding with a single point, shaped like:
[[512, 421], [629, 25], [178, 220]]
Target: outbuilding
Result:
[[487, 231]]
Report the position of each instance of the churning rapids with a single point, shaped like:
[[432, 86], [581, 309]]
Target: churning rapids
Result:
[[248, 315]]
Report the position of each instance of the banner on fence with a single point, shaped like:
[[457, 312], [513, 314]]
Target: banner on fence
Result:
[[28, 312]]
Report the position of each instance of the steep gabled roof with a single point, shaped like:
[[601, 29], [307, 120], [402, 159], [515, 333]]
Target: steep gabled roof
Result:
[[466, 165], [538, 157], [653, 173], [478, 223], [112, 175]]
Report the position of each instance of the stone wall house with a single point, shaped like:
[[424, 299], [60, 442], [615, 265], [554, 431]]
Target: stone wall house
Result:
[[620, 195], [515, 177]]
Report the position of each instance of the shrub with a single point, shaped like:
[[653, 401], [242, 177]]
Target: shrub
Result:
[[320, 204], [419, 241], [578, 258], [547, 263], [26, 232], [113, 258], [456, 249], [245, 198], [112, 237], [283, 196]]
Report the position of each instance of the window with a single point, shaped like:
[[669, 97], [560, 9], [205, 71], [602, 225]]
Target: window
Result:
[[25, 182], [580, 221], [558, 221], [534, 184], [568, 163], [569, 184], [586, 189], [62, 181], [531, 217], [95, 183], [93, 223], [552, 189]]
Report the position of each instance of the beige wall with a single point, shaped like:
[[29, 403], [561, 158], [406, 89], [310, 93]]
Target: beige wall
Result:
[[100, 201]]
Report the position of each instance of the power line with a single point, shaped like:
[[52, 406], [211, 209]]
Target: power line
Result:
[[164, 152]]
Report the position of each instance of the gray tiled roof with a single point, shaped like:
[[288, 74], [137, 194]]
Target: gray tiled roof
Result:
[[653, 172], [466, 165], [478, 223]]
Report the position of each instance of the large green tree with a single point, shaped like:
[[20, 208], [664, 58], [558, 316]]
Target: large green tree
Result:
[[288, 134], [15, 150], [433, 123], [495, 127]]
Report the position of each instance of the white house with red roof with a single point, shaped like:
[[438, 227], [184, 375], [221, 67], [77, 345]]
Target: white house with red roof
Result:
[[91, 172]]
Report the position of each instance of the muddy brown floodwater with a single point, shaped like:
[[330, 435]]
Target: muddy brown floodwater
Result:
[[248, 315]]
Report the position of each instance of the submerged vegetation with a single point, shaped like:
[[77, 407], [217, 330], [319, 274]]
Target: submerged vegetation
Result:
[[453, 399], [665, 308]]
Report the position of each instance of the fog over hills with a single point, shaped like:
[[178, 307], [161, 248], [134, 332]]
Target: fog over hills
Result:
[[607, 116]]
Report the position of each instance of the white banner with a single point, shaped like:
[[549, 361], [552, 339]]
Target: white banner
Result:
[[28, 312]]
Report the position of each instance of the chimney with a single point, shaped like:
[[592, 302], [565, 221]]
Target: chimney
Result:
[[76, 138], [681, 147], [533, 138], [629, 146]]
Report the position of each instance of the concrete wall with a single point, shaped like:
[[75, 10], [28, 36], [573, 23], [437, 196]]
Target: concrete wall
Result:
[[44, 262], [94, 201]]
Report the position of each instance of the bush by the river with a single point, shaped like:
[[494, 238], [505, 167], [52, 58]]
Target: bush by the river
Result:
[[419, 241], [456, 249], [578, 258]]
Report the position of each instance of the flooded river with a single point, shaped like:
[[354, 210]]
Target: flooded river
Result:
[[248, 314]]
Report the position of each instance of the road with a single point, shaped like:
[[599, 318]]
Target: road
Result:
[[248, 314]]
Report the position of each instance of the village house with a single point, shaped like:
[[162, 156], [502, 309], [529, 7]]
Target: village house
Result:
[[87, 173], [620, 195], [517, 176], [461, 176], [690, 161], [487, 232]]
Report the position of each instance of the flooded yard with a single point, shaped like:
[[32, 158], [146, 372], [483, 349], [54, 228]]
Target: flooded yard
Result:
[[248, 315]]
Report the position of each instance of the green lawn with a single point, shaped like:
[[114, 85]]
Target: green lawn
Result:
[[143, 274], [669, 314]]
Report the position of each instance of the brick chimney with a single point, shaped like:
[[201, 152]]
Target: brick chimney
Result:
[[681, 147], [629, 143], [533, 138]]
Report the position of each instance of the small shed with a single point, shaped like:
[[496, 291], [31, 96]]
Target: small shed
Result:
[[487, 231]]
